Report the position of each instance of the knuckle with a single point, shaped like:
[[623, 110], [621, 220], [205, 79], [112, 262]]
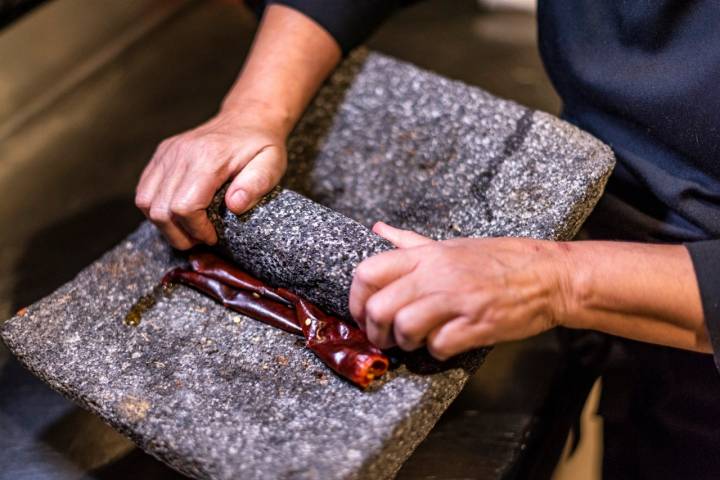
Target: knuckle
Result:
[[363, 272], [280, 159], [439, 349], [184, 209], [490, 317], [372, 311], [142, 201], [261, 180], [383, 338], [215, 166], [404, 342], [163, 147], [405, 327], [159, 214], [473, 304], [375, 310], [385, 344]]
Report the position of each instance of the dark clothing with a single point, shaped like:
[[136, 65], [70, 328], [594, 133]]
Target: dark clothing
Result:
[[660, 409], [644, 77], [350, 22]]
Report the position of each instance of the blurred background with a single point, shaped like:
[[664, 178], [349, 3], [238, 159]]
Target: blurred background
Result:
[[89, 88]]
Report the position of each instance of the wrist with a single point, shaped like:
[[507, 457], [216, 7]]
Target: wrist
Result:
[[573, 285], [260, 113]]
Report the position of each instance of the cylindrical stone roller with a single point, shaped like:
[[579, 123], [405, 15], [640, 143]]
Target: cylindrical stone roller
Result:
[[289, 241]]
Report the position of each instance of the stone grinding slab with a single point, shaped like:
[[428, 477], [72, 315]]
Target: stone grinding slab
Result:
[[217, 395]]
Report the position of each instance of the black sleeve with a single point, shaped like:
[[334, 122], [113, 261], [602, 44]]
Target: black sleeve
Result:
[[350, 22], [706, 261]]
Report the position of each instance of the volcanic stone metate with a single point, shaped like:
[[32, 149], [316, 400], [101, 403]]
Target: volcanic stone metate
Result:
[[217, 395]]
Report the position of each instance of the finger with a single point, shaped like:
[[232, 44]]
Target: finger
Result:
[[383, 305], [161, 214], [380, 334], [376, 272], [197, 225], [149, 183], [381, 308], [147, 187], [177, 237], [414, 322], [457, 336], [400, 238], [190, 201], [256, 179]]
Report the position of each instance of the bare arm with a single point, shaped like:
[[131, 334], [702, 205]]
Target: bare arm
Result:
[[245, 141], [290, 58], [639, 291], [462, 294]]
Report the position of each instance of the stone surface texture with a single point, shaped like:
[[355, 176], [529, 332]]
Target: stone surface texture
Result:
[[290, 241], [217, 395]]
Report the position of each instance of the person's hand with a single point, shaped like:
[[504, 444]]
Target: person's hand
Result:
[[289, 59], [187, 170], [456, 295]]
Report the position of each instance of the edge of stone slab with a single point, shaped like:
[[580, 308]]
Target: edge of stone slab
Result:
[[600, 154], [67, 391], [375, 467]]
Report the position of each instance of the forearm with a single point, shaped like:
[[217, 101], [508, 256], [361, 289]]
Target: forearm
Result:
[[638, 291], [290, 58]]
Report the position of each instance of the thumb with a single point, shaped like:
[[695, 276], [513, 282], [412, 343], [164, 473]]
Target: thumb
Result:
[[257, 178], [400, 238]]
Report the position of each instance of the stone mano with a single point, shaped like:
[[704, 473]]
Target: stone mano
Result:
[[217, 395]]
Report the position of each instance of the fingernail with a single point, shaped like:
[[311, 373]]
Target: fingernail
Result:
[[239, 199]]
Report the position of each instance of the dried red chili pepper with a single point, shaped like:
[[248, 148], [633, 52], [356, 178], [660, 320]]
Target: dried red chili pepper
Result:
[[340, 345], [278, 315], [215, 267]]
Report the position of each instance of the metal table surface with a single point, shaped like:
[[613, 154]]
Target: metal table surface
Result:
[[86, 92]]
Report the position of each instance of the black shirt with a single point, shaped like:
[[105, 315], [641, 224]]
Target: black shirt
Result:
[[644, 77]]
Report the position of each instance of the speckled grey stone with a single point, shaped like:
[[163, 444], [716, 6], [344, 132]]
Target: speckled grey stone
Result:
[[290, 241], [217, 395], [387, 141]]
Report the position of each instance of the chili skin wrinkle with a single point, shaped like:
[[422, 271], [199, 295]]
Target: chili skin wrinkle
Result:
[[340, 345], [271, 313], [215, 267]]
